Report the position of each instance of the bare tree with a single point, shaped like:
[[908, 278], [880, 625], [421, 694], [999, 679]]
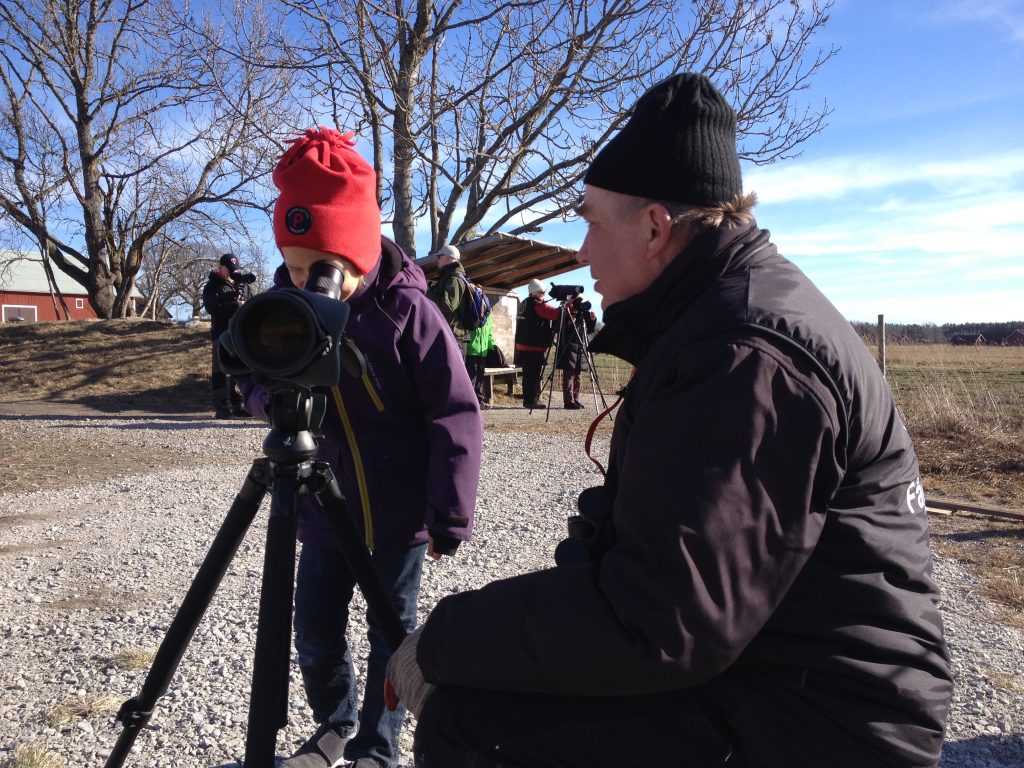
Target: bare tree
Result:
[[116, 122], [484, 115], [174, 272]]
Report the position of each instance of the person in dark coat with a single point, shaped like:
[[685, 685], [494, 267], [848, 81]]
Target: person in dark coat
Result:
[[449, 289], [534, 333], [404, 441], [225, 291], [751, 584], [572, 358]]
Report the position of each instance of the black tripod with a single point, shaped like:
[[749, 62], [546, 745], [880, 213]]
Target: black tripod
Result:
[[566, 321], [289, 469]]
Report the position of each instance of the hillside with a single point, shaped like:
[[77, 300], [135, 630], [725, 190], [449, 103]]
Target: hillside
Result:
[[109, 366]]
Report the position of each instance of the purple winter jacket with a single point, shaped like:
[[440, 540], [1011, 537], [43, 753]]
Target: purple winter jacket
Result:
[[418, 436]]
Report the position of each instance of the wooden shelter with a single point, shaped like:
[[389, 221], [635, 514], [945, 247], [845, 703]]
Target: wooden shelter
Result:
[[500, 263]]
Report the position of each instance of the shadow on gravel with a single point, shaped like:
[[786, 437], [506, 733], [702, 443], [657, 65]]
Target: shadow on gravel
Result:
[[981, 535], [171, 421], [1006, 751], [176, 423]]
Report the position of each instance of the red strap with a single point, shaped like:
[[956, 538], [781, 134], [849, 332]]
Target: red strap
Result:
[[595, 422]]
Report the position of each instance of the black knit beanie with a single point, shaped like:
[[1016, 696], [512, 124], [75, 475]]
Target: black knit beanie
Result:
[[679, 145]]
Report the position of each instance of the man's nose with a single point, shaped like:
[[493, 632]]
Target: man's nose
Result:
[[582, 255]]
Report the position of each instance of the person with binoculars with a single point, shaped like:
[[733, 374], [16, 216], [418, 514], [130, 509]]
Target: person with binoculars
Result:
[[753, 587], [226, 289], [403, 438]]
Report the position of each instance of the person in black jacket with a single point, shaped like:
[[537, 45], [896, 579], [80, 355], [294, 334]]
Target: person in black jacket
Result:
[[225, 291], [572, 358], [751, 585], [534, 332]]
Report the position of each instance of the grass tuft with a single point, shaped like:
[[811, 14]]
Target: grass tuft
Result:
[[71, 710], [32, 756], [134, 658]]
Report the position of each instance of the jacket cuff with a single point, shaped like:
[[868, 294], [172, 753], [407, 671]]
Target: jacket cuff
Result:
[[443, 544]]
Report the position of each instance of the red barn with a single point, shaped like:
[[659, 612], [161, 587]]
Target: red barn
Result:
[[26, 295]]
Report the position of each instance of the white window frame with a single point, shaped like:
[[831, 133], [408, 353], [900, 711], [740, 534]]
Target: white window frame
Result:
[[79, 303]]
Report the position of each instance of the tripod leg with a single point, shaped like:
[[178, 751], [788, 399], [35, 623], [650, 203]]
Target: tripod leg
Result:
[[268, 698], [378, 601], [136, 712]]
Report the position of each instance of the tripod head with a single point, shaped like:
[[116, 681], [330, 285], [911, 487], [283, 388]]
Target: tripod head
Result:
[[294, 412]]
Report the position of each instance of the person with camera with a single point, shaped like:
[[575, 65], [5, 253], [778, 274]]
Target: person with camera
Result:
[[534, 332], [404, 439], [225, 291], [577, 323], [751, 584]]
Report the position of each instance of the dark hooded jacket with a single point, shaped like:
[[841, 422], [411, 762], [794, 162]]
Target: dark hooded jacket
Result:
[[415, 432], [220, 299], [448, 292], [770, 539], [577, 323]]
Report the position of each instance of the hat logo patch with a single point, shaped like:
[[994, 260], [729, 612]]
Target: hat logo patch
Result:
[[298, 220]]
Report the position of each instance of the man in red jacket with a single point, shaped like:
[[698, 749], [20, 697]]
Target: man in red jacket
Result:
[[751, 584]]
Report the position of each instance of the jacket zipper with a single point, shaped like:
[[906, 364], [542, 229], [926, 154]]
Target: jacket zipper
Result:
[[357, 462]]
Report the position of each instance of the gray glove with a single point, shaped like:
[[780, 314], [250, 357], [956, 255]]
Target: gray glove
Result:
[[405, 678]]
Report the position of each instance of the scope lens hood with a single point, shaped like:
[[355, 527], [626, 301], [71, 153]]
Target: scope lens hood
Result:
[[288, 334]]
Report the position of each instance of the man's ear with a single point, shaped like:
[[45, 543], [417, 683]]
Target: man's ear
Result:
[[658, 225]]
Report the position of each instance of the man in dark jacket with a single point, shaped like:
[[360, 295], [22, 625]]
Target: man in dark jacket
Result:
[[225, 291], [756, 588], [449, 289]]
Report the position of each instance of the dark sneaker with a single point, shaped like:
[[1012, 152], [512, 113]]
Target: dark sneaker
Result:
[[222, 413], [240, 413], [325, 749], [577, 406]]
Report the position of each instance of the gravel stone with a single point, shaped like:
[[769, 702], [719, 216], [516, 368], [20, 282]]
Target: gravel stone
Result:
[[90, 572]]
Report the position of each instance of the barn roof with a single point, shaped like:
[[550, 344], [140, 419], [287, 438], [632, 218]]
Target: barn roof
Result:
[[22, 272], [505, 261]]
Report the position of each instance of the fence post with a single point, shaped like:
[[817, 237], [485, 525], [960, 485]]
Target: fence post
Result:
[[881, 343]]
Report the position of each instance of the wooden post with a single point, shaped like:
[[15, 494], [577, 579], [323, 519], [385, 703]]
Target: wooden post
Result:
[[881, 343]]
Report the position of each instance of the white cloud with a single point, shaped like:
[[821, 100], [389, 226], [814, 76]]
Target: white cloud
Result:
[[837, 177], [1006, 15]]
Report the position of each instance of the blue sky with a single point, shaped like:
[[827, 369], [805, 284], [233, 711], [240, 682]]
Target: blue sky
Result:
[[911, 202]]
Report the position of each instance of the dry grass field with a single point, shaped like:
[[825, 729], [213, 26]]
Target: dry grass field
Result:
[[964, 407]]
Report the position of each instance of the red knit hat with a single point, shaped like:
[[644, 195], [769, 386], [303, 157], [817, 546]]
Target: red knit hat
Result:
[[328, 198]]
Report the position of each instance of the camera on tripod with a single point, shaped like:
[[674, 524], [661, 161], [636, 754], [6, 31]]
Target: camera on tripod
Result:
[[565, 292], [289, 335]]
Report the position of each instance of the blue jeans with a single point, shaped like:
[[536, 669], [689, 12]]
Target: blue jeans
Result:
[[323, 591]]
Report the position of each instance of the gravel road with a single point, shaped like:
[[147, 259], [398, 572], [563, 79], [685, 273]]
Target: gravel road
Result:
[[93, 571]]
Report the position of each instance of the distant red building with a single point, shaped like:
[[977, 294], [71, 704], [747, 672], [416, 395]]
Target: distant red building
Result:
[[1015, 339], [26, 294]]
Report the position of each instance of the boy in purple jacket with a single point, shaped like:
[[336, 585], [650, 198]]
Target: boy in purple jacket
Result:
[[404, 441]]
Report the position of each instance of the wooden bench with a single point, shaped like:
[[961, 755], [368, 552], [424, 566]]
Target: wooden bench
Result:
[[509, 374]]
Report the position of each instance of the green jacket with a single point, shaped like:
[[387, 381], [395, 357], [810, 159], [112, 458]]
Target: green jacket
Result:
[[481, 340], [447, 292]]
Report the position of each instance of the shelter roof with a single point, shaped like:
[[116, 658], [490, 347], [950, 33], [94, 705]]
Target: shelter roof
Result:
[[505, 262]]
